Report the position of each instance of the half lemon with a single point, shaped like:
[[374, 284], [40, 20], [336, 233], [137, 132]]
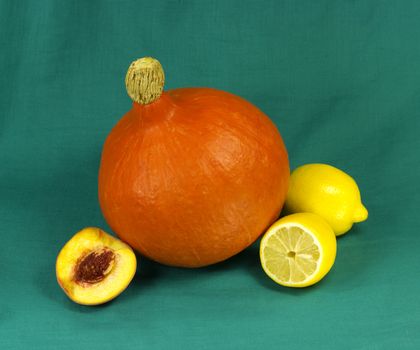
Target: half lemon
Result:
[[298, 250]]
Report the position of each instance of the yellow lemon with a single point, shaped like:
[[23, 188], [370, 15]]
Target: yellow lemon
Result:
[[298, 250], [327, 191]]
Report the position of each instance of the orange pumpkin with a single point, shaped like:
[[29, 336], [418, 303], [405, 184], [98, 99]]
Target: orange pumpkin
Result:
[[190, 177]]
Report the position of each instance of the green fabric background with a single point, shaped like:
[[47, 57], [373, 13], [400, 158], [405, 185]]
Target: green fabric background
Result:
[[341, 79]]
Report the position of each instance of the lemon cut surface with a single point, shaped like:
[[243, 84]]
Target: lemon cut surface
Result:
[[298, 250]]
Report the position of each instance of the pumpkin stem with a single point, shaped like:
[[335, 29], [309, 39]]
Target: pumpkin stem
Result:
[[144, 80]]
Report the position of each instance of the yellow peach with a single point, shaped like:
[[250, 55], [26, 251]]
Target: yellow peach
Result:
[[95, 267]]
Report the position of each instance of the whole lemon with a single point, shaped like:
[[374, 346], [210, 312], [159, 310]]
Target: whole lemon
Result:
[[327, 191]]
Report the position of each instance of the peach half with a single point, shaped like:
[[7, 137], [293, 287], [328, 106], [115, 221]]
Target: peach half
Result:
[[95, 267]]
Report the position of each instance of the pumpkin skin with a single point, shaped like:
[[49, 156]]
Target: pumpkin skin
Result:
[[194, 177]]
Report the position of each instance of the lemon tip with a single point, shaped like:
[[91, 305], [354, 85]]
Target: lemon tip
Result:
[[361, 213]]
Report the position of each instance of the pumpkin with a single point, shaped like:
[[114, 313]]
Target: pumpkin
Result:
[[190, 176]]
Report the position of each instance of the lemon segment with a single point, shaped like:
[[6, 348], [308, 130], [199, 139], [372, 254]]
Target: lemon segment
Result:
[[298, 250]]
